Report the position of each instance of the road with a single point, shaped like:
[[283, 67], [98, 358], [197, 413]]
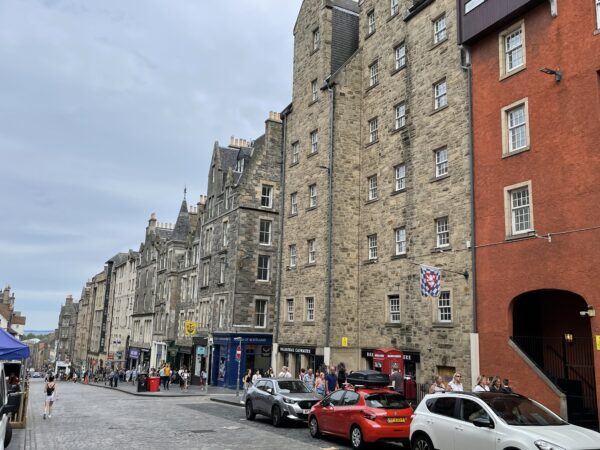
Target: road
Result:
[[93, 417]]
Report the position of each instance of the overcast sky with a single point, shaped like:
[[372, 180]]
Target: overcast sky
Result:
[[107, 109]]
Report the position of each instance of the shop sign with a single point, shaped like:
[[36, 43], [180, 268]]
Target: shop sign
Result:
[[200, 351], [134, 353], [293, 349], [411, 356], [190, 327], [598, 343]]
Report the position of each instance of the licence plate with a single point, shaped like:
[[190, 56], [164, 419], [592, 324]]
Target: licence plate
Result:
[[305, 411], [396, 419]]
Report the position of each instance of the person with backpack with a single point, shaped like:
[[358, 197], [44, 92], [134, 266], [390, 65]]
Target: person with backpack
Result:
[[50, 392]]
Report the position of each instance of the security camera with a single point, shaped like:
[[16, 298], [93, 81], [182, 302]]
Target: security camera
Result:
[[583, 313]]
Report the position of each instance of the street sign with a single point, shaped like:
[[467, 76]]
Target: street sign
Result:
[[238, 352]]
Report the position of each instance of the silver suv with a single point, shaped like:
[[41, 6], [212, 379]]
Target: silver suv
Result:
[[279, 399], [493, 421]]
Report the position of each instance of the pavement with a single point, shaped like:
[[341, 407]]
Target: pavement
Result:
[[173, 391]]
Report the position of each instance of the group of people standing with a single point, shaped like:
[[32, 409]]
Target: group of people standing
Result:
[[484, 384], [169, 376]]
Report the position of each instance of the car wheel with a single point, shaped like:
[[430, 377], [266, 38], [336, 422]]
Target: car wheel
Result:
[[313, 427], [356, 438], [8, 434], [250, 414], [422, 442], [276, 417]]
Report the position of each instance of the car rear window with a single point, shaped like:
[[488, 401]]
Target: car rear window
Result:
[[386, 400]]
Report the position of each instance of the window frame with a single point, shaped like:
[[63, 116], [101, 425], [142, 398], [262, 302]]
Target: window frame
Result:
[[312, 251], [268, 196], [505, 72], [314, 90], [372, 188], [314, 142], [400, 119], [295, 152], [294, 203], [262, 270], [400, 244], [289, 311], [258, 313], [394, 7], [507, 129], [509, 209], [399, 181], [440, 232], [293, 252], [312, 195], [445, 309], [372, 247], [400, 56], [309, 307], [316, 39], [374, 74], [262, 233], [442, 166], [394, 308], [371, 22], [440, 34], [373, 130], [222, 268], [440, 99]]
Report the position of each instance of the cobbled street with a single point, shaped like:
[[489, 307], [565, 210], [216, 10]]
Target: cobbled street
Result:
[[95, 417]]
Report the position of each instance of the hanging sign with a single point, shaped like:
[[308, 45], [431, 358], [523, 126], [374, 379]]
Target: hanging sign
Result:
[[430, 281], [189, 328]]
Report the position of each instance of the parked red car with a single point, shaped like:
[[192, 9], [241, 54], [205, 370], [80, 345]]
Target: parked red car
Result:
[[363, 415]]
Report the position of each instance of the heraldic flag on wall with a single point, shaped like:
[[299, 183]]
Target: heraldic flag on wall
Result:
[[430, 281]]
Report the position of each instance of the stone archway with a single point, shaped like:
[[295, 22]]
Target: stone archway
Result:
[[548, 327]]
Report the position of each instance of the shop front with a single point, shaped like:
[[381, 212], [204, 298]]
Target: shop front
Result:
[[133, 356], [255, 355], [199, 358], [297, 357]]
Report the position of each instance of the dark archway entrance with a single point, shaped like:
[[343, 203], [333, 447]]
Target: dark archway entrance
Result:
[[548, 327]]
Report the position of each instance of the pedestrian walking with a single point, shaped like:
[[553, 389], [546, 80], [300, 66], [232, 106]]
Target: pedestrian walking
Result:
[[257, 376], [456, 383], [203, 379], [506, 387], [331, 380], [396, 380], [115, 379], [181, 379], [320, 385], [438, 385], [285, 373], [309, 379], [496, 385], [167, 376], [51, 397]]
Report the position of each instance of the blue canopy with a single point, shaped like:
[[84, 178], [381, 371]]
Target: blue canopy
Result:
[[11, 348]]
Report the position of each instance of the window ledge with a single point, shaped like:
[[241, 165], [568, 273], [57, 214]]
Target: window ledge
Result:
[[292, 215], [314, 50], [435, 111], [313, 264], [220, 284], [448, 248], [399, 191], [393, 16], [441, 177], [393, 324], [397, 130], [373, 86], [516, 237], [311, 208], [370, 261], [262, 281], [368, 202], [294, 163], [596, 32], [442, 325], [516, 152], [203, 287], [310, 323], [437, 44], [395, 71], [368, 35], [401, 256], [291, 268], [506, 75], [369, 144], [312, 102], [311, 154], [288, 323]]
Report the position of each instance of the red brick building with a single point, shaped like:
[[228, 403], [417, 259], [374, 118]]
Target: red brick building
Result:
[[535, 68]]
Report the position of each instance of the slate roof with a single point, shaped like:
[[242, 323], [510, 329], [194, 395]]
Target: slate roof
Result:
[[228, 158], [182, 226], [351, 5], [119, 259]]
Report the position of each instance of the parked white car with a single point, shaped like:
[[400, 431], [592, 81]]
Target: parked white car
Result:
[[493, 421]]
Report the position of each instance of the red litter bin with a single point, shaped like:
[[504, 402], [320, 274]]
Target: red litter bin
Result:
[[153, 384]]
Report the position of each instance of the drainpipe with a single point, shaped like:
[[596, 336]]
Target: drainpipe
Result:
[[474, 338], [330, 86]]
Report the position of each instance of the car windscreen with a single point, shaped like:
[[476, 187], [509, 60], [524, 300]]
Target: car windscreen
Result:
[[294, 386], [522, 411], [386, 401]]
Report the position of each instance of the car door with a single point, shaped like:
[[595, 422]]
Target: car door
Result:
[[469, 436], [256, 396], [345, 412], [442, 422], [268, 396], [328, 420]]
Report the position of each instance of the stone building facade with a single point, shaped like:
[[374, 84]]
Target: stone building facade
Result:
[[95, 358], [237, 273], [83, 327], [67, 327], [14, 322], [376, 183]]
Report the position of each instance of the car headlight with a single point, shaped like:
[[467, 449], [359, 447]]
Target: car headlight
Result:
[[545, 445], [289, 401]]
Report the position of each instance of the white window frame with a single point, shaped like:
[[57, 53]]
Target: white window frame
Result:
[[221, 312], [289, 307], [260, 312], [314, 90], [372, 193], [314, 141], [294, 203], [312, 251], [373, 130], [400, 56], [394, 7], [265, 230], [371, 24], [513, 50], [312, 196], [440, 30], [266, 194], [400, 115], [400, 177], [441, 162], [510, 130], [442, 232], [372, 246], [394, 308], [293, 255], [262, 269], [310, 308], [506, 53], [444, 307], [510, 209], [222, 269], [316, 35], [205, 273], [225, 232], [400, 241], [295, 152], [374, 74], [440, 94]]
